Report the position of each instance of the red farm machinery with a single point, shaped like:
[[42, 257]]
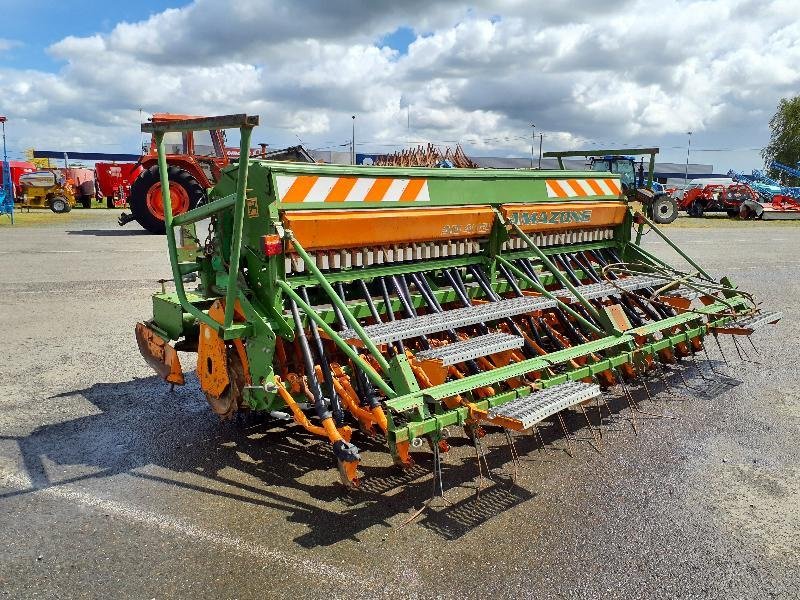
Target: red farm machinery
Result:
[[114, 181], [715, 197]]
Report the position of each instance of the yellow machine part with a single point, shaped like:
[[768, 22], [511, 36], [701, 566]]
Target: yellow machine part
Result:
[[39, 197]]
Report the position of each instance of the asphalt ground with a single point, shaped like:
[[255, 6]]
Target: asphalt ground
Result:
[[113, 486]]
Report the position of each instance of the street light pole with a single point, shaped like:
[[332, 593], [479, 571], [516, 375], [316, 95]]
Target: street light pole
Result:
[[533, 141], [688, 149], [353, 143], [541, 139]]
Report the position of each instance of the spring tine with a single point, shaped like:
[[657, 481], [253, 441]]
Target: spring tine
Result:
[[711, 364], [750, 339], [697, 366], [513, 448], [662, 375], [738, 350], [566, 433], [591, 430], [437, 469], [719, 345], [631, 403]]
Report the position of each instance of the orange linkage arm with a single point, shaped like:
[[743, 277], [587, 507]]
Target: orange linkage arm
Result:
[[328, 428]]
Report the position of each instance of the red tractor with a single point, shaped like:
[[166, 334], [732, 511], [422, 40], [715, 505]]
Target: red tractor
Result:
[[714, 198], [195, 162]]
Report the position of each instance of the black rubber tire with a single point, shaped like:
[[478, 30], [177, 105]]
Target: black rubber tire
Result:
[[665, 210], [696, 209], [110, 202], [138, 196], [59, 205], [86, 202], [732, 213]]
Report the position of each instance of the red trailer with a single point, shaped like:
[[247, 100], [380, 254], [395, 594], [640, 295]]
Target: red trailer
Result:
[[114, 181], [18, 169]]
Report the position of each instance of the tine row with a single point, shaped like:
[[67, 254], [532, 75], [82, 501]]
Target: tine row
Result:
[[557, 238], [381, 255]]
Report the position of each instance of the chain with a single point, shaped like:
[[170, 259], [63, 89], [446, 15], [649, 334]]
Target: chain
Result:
[[208, 246]]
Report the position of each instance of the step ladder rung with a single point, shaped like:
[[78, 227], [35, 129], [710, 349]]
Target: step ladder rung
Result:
[[593, 291], [754, 322], [402, 329], [482, 345], [529, 410], [392, 331]]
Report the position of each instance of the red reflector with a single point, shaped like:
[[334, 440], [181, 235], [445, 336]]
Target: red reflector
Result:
[[272, 245]]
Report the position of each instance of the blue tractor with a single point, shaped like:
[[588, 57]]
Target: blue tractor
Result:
[[658, 205]]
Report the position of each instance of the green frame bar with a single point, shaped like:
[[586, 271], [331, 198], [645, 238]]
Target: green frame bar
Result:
[[158, 129]]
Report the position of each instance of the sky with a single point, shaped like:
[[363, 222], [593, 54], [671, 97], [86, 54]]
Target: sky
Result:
[[79, 76]]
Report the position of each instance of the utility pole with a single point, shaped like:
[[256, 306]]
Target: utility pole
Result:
[[533, 141], [541, 138], [353, 143], [688, 149]]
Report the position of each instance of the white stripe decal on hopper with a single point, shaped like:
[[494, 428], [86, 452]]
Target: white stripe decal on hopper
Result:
[[360, 189], [587, 189], [320, 190], [284, 183], [603, 186]]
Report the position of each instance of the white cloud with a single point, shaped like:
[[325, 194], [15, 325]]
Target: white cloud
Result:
[[632, 72]]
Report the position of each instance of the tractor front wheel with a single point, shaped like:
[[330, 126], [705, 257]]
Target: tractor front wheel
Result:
[[147, 203], [665, 210]]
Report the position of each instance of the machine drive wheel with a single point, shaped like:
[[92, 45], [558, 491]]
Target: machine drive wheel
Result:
[[147, 205], [696, 209], [665, 210], [231, 399], [86, 202], [59, 204], [109, 202]]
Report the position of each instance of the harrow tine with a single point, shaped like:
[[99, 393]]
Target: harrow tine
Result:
[[513, 450], [538, 434], [663, 377], [693, 358], [591, 430], [738, 350], [719, 345], [436, 471], [631, 403], [566, 433], [711, 364]]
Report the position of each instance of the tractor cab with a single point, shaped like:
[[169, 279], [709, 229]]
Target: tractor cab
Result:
[[625, 166]]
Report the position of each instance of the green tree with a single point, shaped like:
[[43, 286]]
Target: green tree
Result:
[[784, 141]]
